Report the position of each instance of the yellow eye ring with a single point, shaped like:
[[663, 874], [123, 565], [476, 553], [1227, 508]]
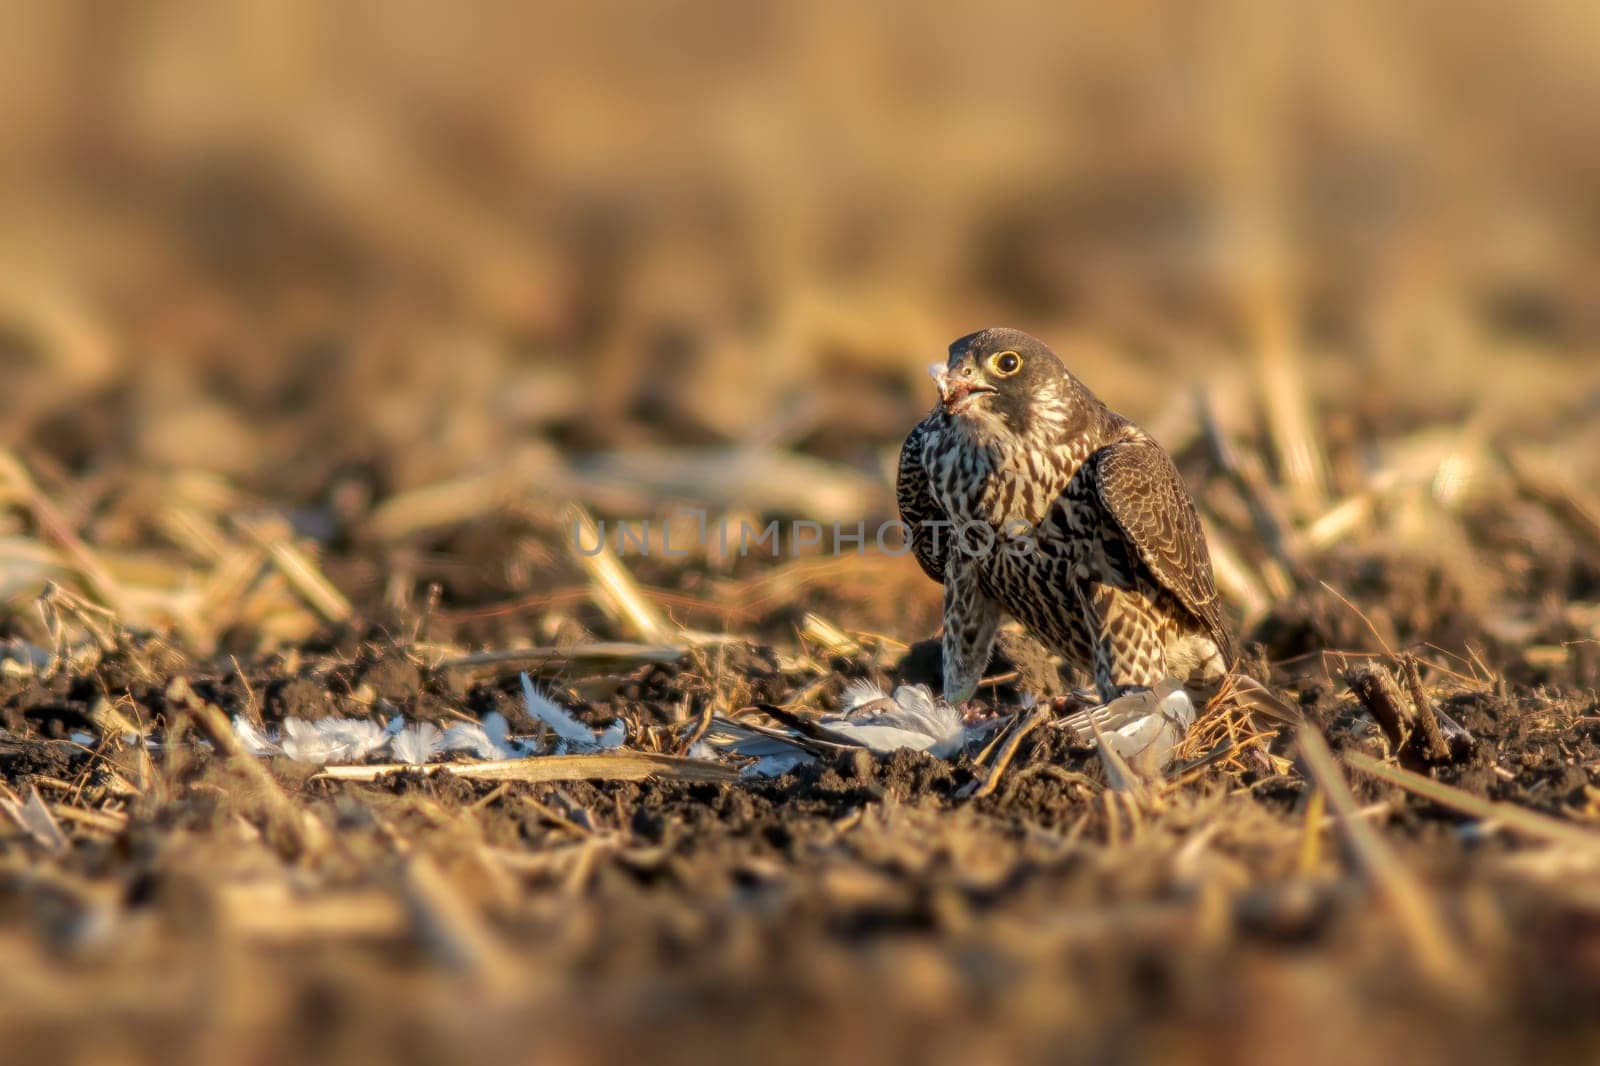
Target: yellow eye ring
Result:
[[1005, 364]]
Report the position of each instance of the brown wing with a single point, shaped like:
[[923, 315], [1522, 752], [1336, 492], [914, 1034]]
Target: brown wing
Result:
[[917, 505], [1140, 489]]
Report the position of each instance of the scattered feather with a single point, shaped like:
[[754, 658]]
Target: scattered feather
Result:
[[470, 737], [325, 740], [499, 731], [776, 765], [489, 739], [772, 752], [416, 744], [859, 693], [252, 739], [1144, 728], [571, 732], [302, 741], [352, 739], [612, 736], [913, 718]]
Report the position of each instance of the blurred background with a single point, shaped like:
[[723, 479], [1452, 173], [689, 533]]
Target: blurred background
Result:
[[315, 316], [388, 265]]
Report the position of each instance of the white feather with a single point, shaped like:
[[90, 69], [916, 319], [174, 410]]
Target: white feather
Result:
[[351, 739], [566, 728], [489, 739], [612, 736], [876, 737], [1155, 735], [417, 743], [302, 741], [499, 730], [470, 736], [859, 693], [775, 765], [912, 719], [254, 740]]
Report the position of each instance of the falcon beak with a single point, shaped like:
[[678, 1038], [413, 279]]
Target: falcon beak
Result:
[[956, 391]]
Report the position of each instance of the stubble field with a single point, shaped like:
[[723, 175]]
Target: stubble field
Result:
[[303, 400]]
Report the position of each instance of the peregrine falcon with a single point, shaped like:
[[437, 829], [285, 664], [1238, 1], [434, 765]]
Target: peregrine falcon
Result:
[[1026, 496]]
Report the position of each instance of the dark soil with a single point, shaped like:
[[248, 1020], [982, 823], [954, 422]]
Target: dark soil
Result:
[[860, 903]]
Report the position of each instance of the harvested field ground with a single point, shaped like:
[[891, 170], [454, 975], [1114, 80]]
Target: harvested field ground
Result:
[[859, 904], [301, 403]]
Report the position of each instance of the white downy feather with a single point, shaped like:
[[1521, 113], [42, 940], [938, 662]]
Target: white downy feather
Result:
[[612, 736], [489, 739], [416, 744], [913, 718], [333, 740], [859, 693], [254, 740], [469, 737], [1153, 737], [302, 741], [570, 731], [352, 739]]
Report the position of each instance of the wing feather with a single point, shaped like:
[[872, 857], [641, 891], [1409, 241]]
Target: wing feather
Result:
[[917, 505], [1139, 487]]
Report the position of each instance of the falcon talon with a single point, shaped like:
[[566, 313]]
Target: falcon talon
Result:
[[1116, 577]]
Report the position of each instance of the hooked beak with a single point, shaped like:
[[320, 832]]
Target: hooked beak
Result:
[[957, 392]]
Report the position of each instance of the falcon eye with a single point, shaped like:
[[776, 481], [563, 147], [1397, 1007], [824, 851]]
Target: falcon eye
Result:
[[1006, 363]]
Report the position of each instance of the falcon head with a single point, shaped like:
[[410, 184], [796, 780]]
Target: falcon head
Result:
[[1000, 381]]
